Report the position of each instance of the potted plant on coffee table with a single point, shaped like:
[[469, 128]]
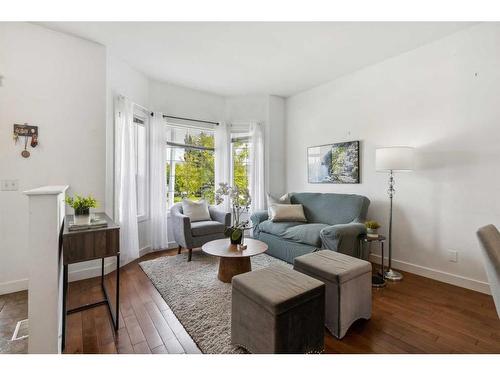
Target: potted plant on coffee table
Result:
[[240, 203], [81, 206]]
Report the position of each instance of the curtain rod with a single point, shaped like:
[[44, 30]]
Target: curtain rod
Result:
[[189, 119]]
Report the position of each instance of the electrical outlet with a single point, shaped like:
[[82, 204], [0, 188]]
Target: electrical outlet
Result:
[[453, 256], [9, 185]]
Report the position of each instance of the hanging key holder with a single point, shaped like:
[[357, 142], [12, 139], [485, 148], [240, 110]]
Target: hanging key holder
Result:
[[25, 153], [26, 131]]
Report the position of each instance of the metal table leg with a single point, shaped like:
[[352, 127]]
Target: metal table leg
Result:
[[378, 280]]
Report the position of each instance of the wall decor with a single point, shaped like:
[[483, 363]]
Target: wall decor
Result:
[[26, 131], [336, 163]]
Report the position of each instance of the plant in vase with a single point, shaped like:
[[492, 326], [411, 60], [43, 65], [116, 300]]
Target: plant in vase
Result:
[[240, 202], [371, 228], [81, 206]]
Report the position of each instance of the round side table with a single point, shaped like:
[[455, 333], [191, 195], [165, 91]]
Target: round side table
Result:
[[378, 281]]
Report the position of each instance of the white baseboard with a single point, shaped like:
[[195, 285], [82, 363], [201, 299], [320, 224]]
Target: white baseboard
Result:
[[149, 249], [145, 250], [449, 278], [13, 286], [89, 272]]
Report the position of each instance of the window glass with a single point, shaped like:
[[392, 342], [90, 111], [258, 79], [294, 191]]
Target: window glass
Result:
[[190, 164]]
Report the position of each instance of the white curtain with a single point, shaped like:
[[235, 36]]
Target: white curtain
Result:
[[158, 181], [256, 173], [125, 185], [222, 158]]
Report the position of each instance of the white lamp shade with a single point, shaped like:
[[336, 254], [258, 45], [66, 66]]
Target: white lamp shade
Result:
[[398, 159]]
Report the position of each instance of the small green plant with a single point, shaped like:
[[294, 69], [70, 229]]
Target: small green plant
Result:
[[372, 224], [80, 204]]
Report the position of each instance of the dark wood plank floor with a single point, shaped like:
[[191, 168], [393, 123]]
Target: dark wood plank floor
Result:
[[418, 315]]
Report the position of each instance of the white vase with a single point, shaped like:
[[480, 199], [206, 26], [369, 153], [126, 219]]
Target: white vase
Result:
[[82, 219]]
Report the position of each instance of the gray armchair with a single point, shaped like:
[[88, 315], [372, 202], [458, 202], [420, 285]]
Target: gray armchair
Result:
[[489, 237], [190, 235]]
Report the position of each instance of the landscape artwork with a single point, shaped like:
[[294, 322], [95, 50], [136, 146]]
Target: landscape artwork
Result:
[[336, 163]]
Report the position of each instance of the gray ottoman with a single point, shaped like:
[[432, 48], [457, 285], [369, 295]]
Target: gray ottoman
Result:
[[348, 287], [278, 310]]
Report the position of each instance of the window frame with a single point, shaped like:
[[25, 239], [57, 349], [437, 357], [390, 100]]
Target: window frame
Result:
[[237, 134], [175, 125], [141, 114]]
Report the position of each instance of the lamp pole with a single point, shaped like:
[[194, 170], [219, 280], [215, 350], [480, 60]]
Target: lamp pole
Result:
[[390, 274]]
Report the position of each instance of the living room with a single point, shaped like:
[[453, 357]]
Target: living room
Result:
[[249, 187]]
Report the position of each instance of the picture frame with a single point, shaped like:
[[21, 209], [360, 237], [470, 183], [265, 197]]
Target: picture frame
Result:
[[334, 163]]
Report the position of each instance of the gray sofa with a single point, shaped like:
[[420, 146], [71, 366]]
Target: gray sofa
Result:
[[334, 221]]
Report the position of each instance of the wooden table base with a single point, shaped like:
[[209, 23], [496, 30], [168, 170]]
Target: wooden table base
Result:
[[229, 267]]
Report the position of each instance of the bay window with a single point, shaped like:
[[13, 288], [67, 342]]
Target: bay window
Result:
[[190, 163]]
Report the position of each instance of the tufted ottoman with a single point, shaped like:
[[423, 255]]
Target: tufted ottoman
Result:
[[348, 287], [278, 310]]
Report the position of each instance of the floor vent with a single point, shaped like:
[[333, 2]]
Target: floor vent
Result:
[[21, 331]]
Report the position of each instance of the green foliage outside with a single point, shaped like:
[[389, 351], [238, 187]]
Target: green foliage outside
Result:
[[195, 177], [240, 173]]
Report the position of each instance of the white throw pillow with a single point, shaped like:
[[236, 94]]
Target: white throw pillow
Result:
[[196, 211], [285, 199], [287, 212]]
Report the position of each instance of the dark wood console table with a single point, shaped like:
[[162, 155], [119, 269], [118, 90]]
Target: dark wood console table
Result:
[[89, 244]]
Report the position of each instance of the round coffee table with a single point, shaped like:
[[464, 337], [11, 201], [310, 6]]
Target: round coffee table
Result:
[[232, 261]]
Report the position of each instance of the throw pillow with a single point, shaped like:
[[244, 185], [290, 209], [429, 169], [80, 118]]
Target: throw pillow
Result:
[[196, 211], [285, 199], [287, 212]]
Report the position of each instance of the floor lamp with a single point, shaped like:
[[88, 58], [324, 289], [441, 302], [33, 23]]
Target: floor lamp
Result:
[[390, 160]]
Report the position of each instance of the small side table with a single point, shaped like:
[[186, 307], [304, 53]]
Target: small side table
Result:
[[378, 281], [89, 244]]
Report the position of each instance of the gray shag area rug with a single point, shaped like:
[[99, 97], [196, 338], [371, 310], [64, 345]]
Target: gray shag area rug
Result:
[[201, 302]]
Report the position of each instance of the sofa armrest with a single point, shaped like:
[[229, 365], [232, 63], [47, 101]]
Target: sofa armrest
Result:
[[220, 216], [343, 238], [258, 217], [181, 229]]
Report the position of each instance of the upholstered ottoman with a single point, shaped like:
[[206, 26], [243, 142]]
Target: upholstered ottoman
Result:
[[348, 287], [278, 310]]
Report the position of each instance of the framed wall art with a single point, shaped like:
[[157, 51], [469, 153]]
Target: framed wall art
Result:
[[336, 163]]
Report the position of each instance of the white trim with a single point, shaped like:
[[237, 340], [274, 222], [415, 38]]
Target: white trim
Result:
[[445, 277], [146, 250], [16, 331], [89, 272], [13, 286]]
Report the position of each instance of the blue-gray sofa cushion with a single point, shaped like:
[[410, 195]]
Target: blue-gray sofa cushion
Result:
[[331, 208], [203, 228], [294, 231]]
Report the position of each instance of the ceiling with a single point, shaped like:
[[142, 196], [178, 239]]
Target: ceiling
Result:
[[238, 58]]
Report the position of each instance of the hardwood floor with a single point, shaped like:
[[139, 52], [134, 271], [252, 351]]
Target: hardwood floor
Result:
[[418, 315]]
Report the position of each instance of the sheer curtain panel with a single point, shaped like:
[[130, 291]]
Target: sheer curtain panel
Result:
[[125, 185], [158, 182], [256, 181]]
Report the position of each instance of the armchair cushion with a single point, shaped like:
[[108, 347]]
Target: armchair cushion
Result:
[[203, 228]]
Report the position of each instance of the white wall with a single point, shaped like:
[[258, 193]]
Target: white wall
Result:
[[184, 102], [441, 98], [121, 79], [56, 82], [270, 111]]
